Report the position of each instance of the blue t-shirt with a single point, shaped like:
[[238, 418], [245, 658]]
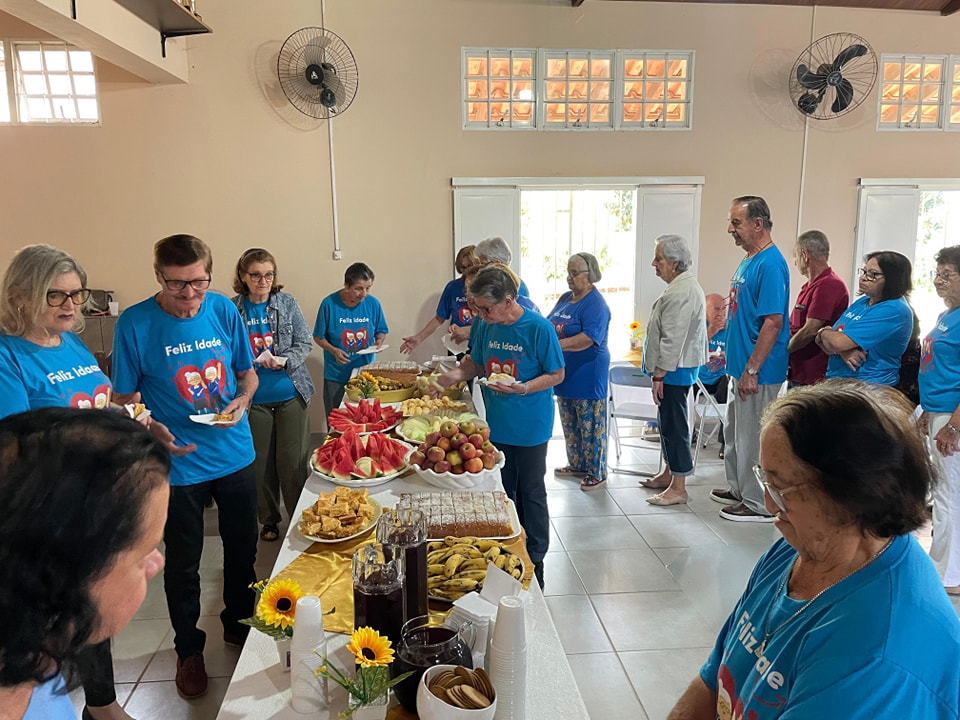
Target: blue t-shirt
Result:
[[49, 702], [350, 329], [586, 371], [682, 376], [882, 330], [759, 287], [884, 643], [524, 290], [275, 385], [525, 349], [453, 304], [716, 365], [33, 377], [184, 367], [940, 365]]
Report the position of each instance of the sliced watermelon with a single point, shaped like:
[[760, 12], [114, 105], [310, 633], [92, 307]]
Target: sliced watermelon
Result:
[[342, 469], [373, 444]]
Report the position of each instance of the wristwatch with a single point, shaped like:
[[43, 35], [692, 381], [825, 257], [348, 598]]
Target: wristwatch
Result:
[[751, 371]]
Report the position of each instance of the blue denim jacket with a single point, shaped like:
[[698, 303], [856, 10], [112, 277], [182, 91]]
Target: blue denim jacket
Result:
[[291, 337]]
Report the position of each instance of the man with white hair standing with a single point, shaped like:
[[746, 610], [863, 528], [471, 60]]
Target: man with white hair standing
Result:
[[757, 337]]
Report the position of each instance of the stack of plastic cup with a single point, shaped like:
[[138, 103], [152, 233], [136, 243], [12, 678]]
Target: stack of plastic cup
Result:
[[508, 659], [308, 693]]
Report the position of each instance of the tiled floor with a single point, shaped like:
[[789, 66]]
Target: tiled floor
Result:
[[637, 593]]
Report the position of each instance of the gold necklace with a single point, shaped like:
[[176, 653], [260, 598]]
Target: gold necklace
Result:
[[767, 633]]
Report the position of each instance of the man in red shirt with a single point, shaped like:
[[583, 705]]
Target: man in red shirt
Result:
[[821, 302]]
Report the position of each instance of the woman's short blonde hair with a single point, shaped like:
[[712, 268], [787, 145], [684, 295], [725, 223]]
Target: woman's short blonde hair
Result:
[[23, 293]]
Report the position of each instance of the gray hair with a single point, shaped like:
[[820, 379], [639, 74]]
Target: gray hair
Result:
[[593, 267], [23, 295], [674, 249], [815, 243], [493, 284], [494, 249]]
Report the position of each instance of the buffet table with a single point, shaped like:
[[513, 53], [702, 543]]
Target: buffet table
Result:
[[260, 689]]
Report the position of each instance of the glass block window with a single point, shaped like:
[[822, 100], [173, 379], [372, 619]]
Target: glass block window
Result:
[[55, 83], [578, 89], [4, 95], [953, 100], [657, 89], [499, 88], [912, 90]]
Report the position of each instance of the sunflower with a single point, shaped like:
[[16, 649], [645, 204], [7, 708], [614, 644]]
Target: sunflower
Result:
[[370, 648], [278, 603], [634, 326]]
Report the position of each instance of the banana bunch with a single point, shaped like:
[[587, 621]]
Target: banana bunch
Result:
[[457, 566]]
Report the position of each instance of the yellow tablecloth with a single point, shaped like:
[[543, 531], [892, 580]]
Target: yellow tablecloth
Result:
[[634, 357]]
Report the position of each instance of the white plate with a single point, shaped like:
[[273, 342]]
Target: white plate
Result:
[[372, 350], [447, 601], [377, 512], [266, 354], [362, 482], [463, 481], [450, 344], [499, 382], [207, 419], [514, 526]]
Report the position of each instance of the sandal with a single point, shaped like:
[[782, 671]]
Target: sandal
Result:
[[270, 533], [567, 471], [591, 483]]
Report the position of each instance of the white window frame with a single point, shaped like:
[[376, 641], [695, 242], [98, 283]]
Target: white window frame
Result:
[[15, 86], [466, 100], [666, 55], [587, 56], [944, 85], [953, 86]]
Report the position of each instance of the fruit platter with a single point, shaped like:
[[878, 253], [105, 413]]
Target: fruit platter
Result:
[[457, 455], [355, 460], [456, 566], [389, 386], [414, 429], [364, 417]]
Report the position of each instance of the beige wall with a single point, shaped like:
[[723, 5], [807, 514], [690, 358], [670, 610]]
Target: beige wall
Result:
[[226, 158]]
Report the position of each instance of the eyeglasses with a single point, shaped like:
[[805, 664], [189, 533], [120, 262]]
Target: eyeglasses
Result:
[[869, 275], [484, 310], [776, 494], [945, 276], [259, 278], [57, 298], [177, 285], [574, 273]]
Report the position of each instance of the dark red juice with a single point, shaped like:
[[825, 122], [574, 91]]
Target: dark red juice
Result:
[[382, 611], [422, 649], [415, 580]]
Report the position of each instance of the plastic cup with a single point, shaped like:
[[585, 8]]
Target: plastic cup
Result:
[[114, 307], [509, 632]]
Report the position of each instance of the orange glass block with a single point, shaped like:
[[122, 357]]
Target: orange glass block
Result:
[[500, 89], [891, 71], [477, 88], [931, 93], [655, 68], [676, 90], [633, 90], [600, 91], [599, 68], [477, 112], [955, 114], [522, 90], [632, 112], [600, 113], [633, 68], [678, 69], [911, 91], [912, 70], [654, 91], [556, 90], [890, 91], [556, 112], [653, 112], [579, 67], [577, 111], [499, 67], [476, 66], [522, 112], [956, 72], [889, 113], [929, 114], [577, 91], [932, 72], [676, 112], [955, 95], [908, 113], [523, 67], [499, 111], [556, 67]]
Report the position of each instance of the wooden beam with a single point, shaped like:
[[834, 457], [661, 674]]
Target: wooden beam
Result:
[[950, 7]]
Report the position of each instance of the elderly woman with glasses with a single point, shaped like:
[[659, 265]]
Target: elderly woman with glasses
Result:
[[279, 416], [674, 349], [43, 363], [869, 339], [940, 418], [830, 620], [509, 340], [581, 318]]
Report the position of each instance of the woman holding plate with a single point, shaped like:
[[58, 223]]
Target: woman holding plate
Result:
[[279, 415]]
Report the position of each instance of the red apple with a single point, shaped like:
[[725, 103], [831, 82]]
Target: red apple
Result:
[[444, 444], [487, 445], [490, 458], [441, 467], [476, 439], [427, 465], [423, 447], [453, 457], [458, 469], [467, 451], [484, 430], [473, 465], [468, 427], [417, 457], [457, 440], [449, 428], [435, 454], [431, 439]]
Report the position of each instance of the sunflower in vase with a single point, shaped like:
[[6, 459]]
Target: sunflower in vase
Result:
[[636, 335], [276, 608]]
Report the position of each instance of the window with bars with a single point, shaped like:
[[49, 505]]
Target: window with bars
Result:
[[912, 90], [576, 89], [50, 82]]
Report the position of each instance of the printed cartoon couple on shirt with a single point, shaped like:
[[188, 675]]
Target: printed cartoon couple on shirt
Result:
[[99, 401], [354, 340], [204, 389], [729, 704], [261, 343]]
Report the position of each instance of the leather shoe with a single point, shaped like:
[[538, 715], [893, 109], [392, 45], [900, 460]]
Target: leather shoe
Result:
[[191, 678], [953, 589], [662, 501]]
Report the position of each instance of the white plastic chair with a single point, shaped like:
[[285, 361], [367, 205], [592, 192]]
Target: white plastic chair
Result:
[[707, 409], [630, 400]]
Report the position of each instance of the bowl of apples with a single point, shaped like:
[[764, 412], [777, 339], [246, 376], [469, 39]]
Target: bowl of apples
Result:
[[459, 456]]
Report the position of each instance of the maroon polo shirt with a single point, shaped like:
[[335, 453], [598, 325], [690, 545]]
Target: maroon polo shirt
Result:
[[823, 298]]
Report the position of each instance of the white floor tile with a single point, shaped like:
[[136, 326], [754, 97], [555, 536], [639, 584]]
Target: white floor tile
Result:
[[560, 575], [580, 503], [219, 659], [577, 624], [597, 533], [659, 677], [652, 620], [677, 530], [160, 701], [622, 571], [605, 687], [135, 647]]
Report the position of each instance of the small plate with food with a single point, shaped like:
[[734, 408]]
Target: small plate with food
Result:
[[217, 418], [338, 517], [372, 350], [498, 379]]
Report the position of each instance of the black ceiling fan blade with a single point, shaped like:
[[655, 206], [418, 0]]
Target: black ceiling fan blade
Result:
[[808, 102], [848, 54], [810, 80], [844, 96]]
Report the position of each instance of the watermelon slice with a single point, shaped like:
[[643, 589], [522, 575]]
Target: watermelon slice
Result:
[[342, 469]]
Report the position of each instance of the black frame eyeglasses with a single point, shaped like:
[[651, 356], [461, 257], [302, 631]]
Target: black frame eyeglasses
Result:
[[776, 494], [57, 298], [177, 285], [869, 275], [262, 277]]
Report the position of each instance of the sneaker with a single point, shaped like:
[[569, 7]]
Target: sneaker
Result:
[[741, 513], [191, 677], [591, 483], [724, 496]]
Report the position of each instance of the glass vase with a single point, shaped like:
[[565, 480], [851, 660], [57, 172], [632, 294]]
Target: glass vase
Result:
[[375, 710]]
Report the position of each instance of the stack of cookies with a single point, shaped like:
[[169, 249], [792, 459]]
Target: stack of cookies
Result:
[[463, 688]]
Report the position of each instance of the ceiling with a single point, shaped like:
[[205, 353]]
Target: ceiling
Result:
[[944, 7]]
